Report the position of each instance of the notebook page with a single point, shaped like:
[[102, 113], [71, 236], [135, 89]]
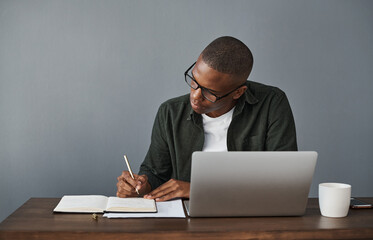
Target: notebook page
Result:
[[131, 205], [82, 203], [168, 209]]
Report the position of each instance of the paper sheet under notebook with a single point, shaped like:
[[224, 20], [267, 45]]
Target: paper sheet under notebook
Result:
[[169, 209]]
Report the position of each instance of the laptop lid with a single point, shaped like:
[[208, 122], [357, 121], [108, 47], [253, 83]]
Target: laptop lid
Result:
[[250, 183]]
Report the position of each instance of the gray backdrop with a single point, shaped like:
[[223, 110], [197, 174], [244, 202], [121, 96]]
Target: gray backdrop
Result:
[[81, 81]]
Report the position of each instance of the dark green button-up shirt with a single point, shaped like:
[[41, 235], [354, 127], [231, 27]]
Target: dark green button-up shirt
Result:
[[262, 121]]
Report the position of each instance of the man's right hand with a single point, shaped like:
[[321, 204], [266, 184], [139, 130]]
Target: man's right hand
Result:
[[126, 185]]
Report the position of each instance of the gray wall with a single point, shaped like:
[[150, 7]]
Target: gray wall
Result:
[[81, 81]]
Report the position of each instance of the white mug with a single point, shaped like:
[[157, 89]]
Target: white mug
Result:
[[334, 199]]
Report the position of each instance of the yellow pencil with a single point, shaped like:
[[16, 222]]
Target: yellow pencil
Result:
[[129, 169]]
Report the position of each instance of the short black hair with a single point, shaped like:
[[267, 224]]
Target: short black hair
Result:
[[228, 55]]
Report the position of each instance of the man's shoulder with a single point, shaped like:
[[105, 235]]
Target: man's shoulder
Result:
[[184, 99], [178, 104], [260, 90]]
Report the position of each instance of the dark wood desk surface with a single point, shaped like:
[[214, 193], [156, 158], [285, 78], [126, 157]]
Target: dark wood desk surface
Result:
[[35, 220]]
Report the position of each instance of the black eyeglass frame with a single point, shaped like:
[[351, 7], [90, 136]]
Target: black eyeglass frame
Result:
[[206, 89]]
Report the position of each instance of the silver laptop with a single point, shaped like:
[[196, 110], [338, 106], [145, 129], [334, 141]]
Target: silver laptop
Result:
[[228, 184]]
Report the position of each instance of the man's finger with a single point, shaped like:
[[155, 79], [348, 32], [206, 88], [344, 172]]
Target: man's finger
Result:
[[157, 191], [141, 179], [128, 178], [125, 186], [167, 197], [123, 195], [161, 191]]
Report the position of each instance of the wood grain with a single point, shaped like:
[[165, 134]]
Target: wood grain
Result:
[[36, 220]]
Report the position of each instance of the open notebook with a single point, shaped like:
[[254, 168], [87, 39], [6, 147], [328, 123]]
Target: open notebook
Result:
[[100, 204]]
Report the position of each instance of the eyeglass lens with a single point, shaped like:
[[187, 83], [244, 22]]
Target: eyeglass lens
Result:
[[193, 84]]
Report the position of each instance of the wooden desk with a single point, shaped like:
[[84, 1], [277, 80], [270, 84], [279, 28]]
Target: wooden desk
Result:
[[35, 220]]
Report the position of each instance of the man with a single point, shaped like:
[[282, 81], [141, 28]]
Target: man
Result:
[[223, 112]]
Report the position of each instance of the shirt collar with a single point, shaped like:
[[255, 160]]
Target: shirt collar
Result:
[[247, 97]]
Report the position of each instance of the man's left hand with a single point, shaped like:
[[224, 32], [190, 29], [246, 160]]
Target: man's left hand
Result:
[[171, 189]]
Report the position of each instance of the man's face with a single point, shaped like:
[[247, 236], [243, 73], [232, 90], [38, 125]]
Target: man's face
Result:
[[218, 83]]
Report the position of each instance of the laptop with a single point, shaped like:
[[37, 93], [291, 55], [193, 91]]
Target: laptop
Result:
[[238, 184]]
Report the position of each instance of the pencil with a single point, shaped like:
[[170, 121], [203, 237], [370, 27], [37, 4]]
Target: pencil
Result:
[[129, 169]]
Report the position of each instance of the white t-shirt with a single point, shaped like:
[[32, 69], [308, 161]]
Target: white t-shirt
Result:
[[216, 130]]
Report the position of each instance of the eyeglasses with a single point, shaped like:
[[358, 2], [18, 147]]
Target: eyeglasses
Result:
[[206, 93]]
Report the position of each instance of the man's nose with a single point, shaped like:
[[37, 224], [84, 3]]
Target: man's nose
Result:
[[197, 94]]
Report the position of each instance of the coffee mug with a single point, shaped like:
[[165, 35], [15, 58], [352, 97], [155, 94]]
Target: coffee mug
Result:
[[334, 199]]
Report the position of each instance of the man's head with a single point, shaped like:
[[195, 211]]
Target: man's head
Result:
[[222, 68], [229, 55]]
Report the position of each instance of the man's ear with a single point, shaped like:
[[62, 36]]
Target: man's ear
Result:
[[238, 93]]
